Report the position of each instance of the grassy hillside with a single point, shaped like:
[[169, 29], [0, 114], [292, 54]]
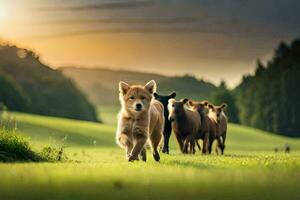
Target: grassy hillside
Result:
[[43, 130], [28, 85], [101, 85], [97, 168]]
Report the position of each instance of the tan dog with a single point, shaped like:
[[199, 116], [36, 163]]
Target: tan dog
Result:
[[220, 121], [141, 118]]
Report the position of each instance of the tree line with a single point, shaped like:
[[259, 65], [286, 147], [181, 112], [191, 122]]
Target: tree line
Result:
[[269, 99]]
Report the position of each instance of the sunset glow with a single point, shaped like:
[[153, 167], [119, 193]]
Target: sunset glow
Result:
[[108, 34], [3, 14]]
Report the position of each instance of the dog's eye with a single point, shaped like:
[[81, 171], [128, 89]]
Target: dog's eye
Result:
[[173, 105], [143, 98], [132, 97]]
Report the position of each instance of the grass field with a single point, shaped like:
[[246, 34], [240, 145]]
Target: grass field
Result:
[[96, 169]]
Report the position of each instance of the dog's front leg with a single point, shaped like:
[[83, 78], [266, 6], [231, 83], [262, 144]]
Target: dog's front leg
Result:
[[126, 143], [140, 139]]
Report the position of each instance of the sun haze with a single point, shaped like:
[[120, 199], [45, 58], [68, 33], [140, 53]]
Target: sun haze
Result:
[[213, 39]]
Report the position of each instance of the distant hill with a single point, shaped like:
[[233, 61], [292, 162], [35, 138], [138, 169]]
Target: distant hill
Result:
[[12, 95], [30, 86], [101, 85]]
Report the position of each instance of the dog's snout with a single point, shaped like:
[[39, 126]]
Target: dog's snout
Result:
[[138, 106]]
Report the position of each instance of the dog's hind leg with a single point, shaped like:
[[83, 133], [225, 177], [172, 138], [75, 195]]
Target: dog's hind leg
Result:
[[155, 153], [155, 139]]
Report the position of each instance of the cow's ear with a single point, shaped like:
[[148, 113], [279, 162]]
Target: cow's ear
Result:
[[210, 106], [171, 101], [184, 101], [205, 103], [123, 87], [172, 95], [190, 103], [223, 105], [151, 86], [155, 95]]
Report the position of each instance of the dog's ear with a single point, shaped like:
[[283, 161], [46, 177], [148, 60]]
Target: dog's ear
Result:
[[155, 95], [223, 105], [172, 95], [123, 87], [184, 101], [151, 86]]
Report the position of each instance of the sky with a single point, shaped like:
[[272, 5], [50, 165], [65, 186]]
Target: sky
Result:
[[211, 39]]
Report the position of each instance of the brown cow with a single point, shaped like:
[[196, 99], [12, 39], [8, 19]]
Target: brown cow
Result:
[[219, 120], [185, 124], [207, 130]]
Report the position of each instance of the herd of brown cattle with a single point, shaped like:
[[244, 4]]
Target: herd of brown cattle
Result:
[[198, 120]]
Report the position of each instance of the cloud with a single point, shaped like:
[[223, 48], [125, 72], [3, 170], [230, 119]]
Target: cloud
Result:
[[144, 30], [175, 20], [115, 31], [100, 6]]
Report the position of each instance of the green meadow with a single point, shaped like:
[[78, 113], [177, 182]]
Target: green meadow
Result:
[[96, 168]]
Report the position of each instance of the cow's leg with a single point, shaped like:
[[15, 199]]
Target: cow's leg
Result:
[[167, 134], [219, 145], [198, 145], [185, 146], [223, 142], [180, 142], [143, 155], [206, 143], [211, 140]]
